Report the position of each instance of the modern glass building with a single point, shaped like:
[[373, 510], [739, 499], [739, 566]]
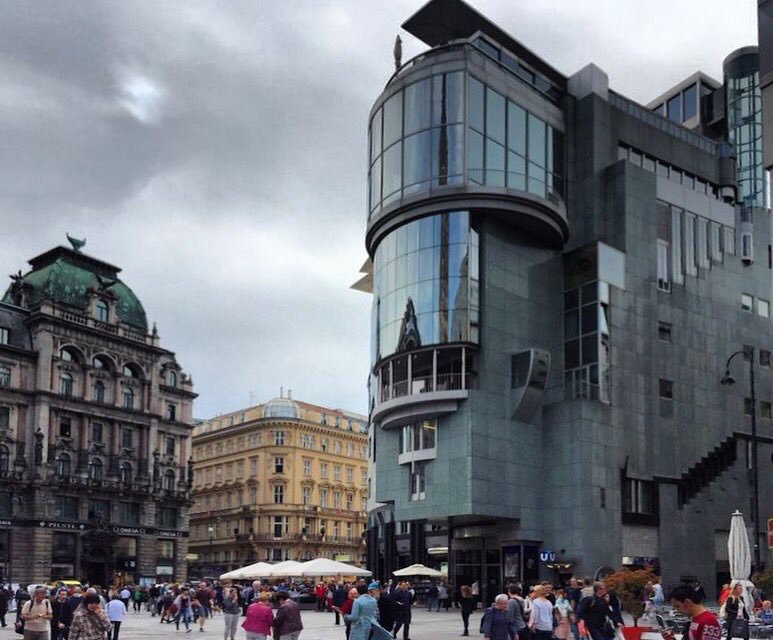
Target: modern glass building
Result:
[[559, 275]]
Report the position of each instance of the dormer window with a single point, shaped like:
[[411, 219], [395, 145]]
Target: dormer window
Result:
[[171, 378], [101, 311]]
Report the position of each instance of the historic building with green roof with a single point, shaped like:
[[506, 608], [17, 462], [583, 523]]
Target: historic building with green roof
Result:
[[95, 430]]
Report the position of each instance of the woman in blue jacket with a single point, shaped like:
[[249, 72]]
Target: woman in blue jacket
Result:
[[363, 618], [496, 623]]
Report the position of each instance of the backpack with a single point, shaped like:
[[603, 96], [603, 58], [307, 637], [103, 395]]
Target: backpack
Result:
[[20, 621]]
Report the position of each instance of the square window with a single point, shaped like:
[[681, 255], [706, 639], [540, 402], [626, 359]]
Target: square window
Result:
[[666, 389], [763, 308], [747, 302], [766, 410], [127, 438], [65, 427], [764, 358], [664, 331], [747, 406], [279, 464]]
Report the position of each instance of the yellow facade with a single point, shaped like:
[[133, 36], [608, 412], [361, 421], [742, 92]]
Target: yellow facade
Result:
[[285, 480]]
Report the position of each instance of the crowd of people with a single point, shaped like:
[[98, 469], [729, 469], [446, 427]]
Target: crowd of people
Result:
[[367, 611]]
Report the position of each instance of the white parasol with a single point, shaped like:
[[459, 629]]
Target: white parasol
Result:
[[286, 569], [257, 570], [740, 557], [327, 567], [419, 570]]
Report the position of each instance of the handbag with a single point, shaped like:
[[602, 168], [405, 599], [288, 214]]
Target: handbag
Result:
[[19, 627], [739, 629]]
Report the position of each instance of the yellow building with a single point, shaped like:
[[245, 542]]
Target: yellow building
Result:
[[285, 480]]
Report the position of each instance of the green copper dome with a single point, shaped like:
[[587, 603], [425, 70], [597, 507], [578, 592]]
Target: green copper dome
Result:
[[65, 276]]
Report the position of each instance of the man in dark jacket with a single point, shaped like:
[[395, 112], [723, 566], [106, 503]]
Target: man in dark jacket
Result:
[[339, 597], [287, 621], [595, 611], [4, 598], [386, 611], [62, 612], [402, 599]]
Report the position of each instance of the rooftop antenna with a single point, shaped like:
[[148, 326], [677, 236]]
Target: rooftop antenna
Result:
[[281, 392], [289, 394]]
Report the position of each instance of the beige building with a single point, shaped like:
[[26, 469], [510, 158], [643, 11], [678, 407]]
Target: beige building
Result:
[[95, 430], [285, 480]]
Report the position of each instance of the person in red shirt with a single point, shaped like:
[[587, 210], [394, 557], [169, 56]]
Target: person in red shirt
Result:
[[703, 625], [320, 592], [724, 593]]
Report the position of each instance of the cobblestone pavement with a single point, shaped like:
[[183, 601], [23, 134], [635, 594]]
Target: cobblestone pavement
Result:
[[318, 626]]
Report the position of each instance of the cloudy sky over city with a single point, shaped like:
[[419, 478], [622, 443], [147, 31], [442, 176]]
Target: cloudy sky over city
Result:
[[216, 152]]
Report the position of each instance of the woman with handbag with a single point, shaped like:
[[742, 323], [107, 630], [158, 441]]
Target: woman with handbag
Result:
[[736, 615]]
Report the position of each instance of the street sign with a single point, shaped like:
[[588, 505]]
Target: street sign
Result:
[[546, 555]]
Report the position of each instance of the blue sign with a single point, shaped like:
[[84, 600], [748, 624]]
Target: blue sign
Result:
[[546, 555]]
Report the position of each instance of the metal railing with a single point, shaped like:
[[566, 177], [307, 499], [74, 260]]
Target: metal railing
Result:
[[425, 384]]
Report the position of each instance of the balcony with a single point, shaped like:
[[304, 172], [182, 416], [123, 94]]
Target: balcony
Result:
[[423, 384]]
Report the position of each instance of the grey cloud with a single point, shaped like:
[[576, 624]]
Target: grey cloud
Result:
[[237, 207]]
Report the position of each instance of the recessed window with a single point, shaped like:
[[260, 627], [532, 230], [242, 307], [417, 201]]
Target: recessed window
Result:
[[748, 407], [128, 398], [95, 470], [96, 432], [763, 308], [5, 417], [279, 464], [279, 438], [171, 379], [68, 355], [65, 427], [65, 385], [747, 302], [127, 438], [664, 331], [418, 482], [63, 465], [171, 412], [639, 496], [99, 391], [666, 389], [170, 445], [5, 335], [766, 410], [5, 376], [764, 358], [101, 311], [169, 480], [279, 494]]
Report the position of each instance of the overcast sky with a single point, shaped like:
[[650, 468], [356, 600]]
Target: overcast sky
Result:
[[216, 152]]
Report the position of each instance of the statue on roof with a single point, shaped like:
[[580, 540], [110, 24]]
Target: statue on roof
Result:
[[105, 283], [77, 244], [19, 289], [398, 52]]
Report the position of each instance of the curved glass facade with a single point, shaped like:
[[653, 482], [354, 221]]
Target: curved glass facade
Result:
[[744, 123], [417, 142], [425, 285]]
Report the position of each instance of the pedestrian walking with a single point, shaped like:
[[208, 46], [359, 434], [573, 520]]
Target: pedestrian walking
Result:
[[62, 616], [363, 619], [563, 612], [287, 622], [5, 597], [115, 613], [339, 597], [89, 622], [183, 604], [432, 597], [320, 592], [442, 596], [515, 610], [596, 614], [386, 610], [231, 611], [703, 624], [466, 605], [260, 618], [541, 620], [35, 614], [403, 601], [496, 623], [346, 607]]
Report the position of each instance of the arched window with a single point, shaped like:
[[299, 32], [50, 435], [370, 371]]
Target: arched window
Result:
[[101, 311], [171, 378], [99, 391], [5, 460], [65, 385], [169, 480], [101, 362], [131, 370], [95, 470], [126, 473], [128, 398], [63, 465], [66, 355]]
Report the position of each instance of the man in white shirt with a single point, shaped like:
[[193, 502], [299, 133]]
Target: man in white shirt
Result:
[[115, 613]]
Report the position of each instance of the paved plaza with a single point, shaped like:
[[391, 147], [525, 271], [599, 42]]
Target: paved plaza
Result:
[[317, 626]]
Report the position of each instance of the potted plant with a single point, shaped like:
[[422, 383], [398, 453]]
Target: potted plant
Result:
[[628, 585]]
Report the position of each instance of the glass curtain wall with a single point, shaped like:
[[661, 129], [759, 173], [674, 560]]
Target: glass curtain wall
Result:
[[744, 123], [425, 285], [417, 142]]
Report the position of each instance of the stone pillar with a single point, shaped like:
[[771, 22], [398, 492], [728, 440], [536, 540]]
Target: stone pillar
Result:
[[147, 556], [30, 555]]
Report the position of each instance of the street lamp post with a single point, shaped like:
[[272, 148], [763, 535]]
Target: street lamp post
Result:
[[728, 380], [211, 533]]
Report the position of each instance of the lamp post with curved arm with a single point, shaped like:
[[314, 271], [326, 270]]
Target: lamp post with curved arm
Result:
[[728, 380]]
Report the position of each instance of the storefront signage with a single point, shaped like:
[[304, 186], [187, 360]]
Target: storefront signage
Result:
[[56, 524], [129, 531], [171, 534], [164, 571], [546, 555], [5, 523]]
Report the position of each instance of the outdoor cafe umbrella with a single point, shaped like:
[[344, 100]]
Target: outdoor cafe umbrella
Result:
[[327, 567], [419, 570], [257, 570], [286, 569], [740, 557]]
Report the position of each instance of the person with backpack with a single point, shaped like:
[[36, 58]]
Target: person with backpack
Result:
[[515, 610], [35, 616]]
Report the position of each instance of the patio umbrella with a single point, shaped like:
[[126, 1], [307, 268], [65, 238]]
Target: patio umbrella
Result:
[[250, 572], [326, 567], [419, 570], [286, 569], [740, 557]]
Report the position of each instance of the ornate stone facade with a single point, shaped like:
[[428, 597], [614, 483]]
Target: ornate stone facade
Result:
[[95, 430]]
